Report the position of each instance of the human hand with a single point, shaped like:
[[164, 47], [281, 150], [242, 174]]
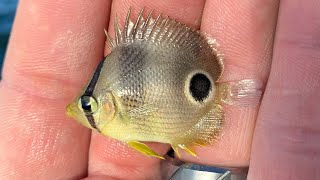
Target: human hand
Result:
[[56, 45]]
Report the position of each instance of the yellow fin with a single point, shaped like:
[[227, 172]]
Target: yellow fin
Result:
[[203, 133], [207, 129], [200, 143], [144, 149], [189, 150]]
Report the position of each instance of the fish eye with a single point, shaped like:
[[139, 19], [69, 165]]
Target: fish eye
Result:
[[88, 104], [200, 86]]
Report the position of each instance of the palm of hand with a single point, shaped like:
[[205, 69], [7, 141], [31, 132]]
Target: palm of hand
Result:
[[55, 44]]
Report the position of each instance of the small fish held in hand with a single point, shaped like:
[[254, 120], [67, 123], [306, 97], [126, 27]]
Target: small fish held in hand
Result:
[[160, 83]]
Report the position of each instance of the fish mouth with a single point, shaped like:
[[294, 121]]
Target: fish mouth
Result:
[[70, 110], [73, 111]]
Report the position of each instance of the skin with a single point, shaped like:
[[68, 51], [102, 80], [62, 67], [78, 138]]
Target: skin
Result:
[[55, 44]]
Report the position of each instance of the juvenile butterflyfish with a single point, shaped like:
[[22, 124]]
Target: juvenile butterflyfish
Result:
[[160, 83]]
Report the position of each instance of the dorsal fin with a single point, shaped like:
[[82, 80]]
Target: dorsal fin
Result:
[[159, 30], [162, 31]]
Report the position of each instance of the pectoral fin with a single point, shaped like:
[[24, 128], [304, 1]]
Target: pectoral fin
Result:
[[144, 149]]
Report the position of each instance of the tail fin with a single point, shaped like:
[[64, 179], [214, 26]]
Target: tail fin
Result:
[[244, 93]]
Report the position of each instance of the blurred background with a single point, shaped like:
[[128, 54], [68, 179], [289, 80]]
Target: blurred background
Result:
[[7, 12]]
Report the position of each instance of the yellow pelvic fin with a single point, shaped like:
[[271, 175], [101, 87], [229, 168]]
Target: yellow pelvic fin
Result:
[[144, 149]]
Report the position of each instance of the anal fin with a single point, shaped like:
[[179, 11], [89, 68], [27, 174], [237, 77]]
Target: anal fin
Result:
[[189, 149], [144, 149], [200, 143], [203, 133]]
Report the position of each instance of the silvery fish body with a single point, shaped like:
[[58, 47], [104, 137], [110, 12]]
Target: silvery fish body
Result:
[[160, 84]]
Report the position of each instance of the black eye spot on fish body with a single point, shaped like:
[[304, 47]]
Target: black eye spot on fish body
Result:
[[200, 87]]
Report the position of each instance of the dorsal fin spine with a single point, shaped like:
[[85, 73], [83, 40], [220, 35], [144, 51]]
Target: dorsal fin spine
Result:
[[154, 27], [109, 40], [126, 25], [135, 26], [161, 29], [146, 23], [166, 29], [117, 31], [171, 31]]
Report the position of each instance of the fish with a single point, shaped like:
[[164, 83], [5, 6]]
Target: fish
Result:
[[160, 83]]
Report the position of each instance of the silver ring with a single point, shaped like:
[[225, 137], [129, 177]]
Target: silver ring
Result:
[[175, 169]]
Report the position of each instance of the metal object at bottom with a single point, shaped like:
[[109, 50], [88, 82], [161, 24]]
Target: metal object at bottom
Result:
[[178, 170], [200, 172]]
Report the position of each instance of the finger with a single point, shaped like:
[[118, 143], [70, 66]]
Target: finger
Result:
[[109, 157], [244, 30], [53, 44], [286, 142]]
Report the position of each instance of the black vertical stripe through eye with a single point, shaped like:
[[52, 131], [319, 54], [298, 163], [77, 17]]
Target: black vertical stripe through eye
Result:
[[85, 98], [94, 80]]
